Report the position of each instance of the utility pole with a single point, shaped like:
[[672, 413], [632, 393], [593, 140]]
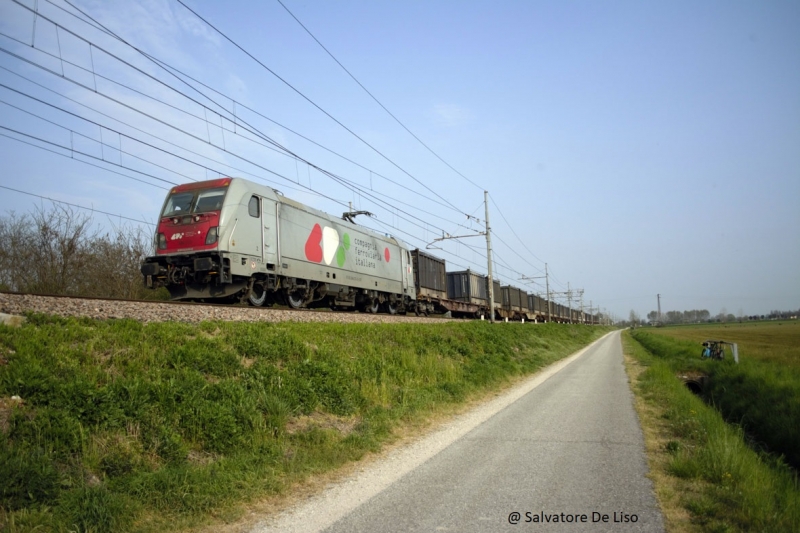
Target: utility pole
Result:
[[489, 256], [525, 278], [569, 303], [659, 308], [549, 305], [488, 234], [569, 293]]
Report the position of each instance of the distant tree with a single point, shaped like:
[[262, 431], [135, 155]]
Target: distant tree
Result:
[[673, 317], [652, 316]]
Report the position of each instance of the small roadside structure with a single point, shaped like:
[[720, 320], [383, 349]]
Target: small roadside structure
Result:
[[716, 350]]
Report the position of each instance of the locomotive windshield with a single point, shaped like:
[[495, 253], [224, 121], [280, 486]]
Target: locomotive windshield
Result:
[[199, 201]]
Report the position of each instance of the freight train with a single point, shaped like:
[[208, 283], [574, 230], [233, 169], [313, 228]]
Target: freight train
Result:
[[232, 240], [466, 294]]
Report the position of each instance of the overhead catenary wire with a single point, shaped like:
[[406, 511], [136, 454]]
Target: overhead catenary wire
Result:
[[511, 228], [337, 178], [376, 100], [67, 148], [251, 56], [168, 86], [173, 70], [77, 205], [240, 48]]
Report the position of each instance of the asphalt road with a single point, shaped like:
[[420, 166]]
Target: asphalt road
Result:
[[568, 456]]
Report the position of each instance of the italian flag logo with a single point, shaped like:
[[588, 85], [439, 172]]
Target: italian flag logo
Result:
[[323, 244]]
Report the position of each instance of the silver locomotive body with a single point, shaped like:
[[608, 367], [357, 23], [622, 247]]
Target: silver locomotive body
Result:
[[234, 239]]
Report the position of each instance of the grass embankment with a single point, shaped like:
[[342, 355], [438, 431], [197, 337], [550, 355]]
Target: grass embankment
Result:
[[761, 393], [707, 477], [130, 427]]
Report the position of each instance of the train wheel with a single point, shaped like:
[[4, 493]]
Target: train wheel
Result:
[[390, 307], [294, 299], [258, 295], [374, 306]]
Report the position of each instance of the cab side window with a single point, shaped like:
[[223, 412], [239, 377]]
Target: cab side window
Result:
[[253, 207]]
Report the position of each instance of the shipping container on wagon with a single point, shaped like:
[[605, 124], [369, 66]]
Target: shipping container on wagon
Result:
[[548, 307], [512, 298], [467, 286], [538, 305], [533, 312], [430, 275]]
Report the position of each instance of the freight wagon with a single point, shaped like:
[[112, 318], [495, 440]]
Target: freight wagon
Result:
[[515, 303]]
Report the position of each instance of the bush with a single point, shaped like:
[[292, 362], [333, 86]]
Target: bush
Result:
[[59, 252]]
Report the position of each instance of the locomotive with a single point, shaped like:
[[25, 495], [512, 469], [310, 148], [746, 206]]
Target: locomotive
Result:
[[232, 240], [229, 239]]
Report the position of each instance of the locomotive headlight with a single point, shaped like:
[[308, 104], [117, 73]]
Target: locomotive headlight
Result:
[[162, 241], [211, 236]]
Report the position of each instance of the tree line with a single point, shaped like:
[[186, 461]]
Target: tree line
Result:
[[701, 316], [60, 251]]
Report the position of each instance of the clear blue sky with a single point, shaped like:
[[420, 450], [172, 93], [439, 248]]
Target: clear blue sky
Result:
[[636, 147]]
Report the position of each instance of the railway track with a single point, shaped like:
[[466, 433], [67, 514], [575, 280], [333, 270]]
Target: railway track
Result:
[[162, 311]]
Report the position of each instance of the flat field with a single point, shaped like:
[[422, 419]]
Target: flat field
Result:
[[774, 341]]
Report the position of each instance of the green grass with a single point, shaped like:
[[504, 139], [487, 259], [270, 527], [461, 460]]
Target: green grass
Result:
[[761, 393], [723, 483], [130, 427], [768, 341]]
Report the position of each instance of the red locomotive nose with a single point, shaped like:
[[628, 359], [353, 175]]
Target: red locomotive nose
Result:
[[188, 232]]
